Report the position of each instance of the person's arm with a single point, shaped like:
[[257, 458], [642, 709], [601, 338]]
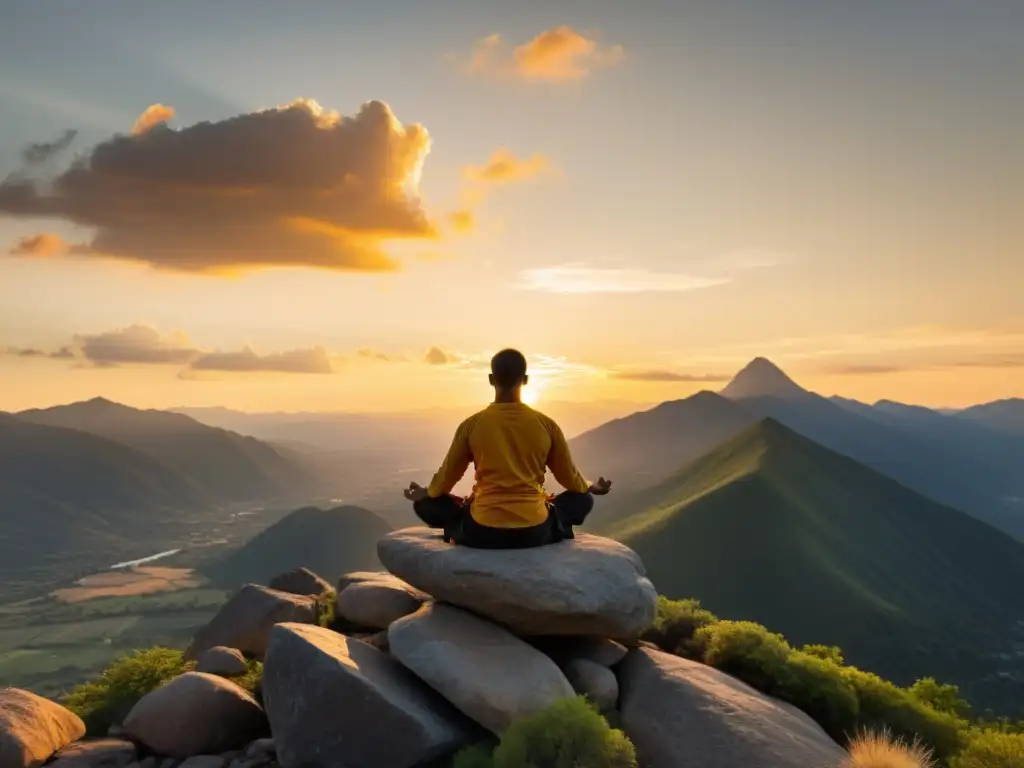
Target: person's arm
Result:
[[561, 464], [455, 464]]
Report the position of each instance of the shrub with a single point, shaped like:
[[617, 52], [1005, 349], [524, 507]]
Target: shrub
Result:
[[992, 749], [940, 697], [568, 734], [826, 652], [871, 749], [107, 700], [252, 680], [675, 625], [818, 688], [745, 650], [325, 609]]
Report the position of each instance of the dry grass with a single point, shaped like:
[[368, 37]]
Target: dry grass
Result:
[[881, 750], [129, 583]]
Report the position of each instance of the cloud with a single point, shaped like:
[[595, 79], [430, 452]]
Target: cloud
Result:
[[38, 154], [577, 278], [43, 244], [151, 117], [437, 356], [136, 344], [862, 369], [657, 375], [311, 360], [463, 220], [294, 186], [372, 354], [503, 167], [559, 54], [25, 352]]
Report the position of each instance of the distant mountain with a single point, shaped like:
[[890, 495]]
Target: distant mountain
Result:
[[1001, 415], [762, 378], [227, 465], [773, 527], [70, 500], [329, 542]]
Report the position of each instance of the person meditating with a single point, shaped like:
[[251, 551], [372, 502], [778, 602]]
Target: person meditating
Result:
[[510, 445]]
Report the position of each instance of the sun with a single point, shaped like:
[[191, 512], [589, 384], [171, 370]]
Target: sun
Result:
[[532, 392]]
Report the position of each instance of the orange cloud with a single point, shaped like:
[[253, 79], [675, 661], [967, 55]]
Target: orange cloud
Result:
[[462, 221], [504, 167], [154, 115], [292, 186], [43, 244], [559, 54]]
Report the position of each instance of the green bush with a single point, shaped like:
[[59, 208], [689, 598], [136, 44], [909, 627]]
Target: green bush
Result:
[[817, 687], [826, 652], [107, 700], [568, 734], [252, 680], [745, 650], [325, 609], [992, 749], [675, 625], [940, 697]]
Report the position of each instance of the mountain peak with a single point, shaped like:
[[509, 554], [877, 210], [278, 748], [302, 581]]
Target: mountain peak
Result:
[[762, 378]]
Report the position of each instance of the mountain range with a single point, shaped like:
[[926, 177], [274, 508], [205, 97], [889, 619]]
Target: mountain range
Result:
[[772, 527]]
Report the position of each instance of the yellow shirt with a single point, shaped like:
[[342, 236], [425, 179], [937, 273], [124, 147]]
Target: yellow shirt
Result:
[[510, 445]]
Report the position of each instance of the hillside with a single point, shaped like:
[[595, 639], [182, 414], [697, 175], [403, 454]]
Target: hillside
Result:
[[1001, 415], [329, 542], [229, 466], [775, 528], [71, 500]]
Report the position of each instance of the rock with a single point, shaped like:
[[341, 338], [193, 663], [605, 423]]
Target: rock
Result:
[[336, 701], [33, 728], [260, 747], [169, 762], [301, 581], [485, 671], [378, 640], [376, 603], [196, 714], [246, 619], [599, 650], [203, 761], [222, 661], [595, 681], [153, 762], [584, 586], [674, 710], [96, 753], [358, 577]]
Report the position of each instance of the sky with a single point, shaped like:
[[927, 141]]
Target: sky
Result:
[[351, 206]]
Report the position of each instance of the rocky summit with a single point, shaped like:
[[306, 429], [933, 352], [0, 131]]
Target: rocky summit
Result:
[[583, 586], [446, 651]]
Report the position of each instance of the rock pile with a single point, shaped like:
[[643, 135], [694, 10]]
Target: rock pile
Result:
[[449, 646]]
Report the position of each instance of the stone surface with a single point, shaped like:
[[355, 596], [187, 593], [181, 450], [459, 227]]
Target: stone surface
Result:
[[33, 728], [358, 577], [301, 581], [334, 701], [260, 747], [485, 671], [203, 761], [246, 619], [599, 650], [96, 753], [680, 712], [376, 603], [223, 661], [595, 681], [589, 585], [196, 714]]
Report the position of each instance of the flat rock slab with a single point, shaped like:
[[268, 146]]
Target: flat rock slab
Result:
[[223, 661], [301, 581], [589, 585], [678, 712], [336, 702], [246, 619], [375, 603], [33, 728], [96, 753], [484, 670], [196, 714]]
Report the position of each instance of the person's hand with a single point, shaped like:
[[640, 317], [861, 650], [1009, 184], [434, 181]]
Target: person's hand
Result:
[[601, 487], [415, 492]]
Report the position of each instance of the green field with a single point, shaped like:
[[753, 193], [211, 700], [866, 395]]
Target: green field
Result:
[[48, 647]]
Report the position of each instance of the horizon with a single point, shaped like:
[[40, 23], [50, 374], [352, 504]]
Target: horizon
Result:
[[224, 216]]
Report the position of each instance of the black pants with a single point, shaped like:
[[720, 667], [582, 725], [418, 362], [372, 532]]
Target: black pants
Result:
[[447, 513]]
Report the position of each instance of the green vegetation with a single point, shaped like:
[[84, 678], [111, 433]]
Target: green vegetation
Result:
[[325, 606], [827, 551], [568, 734], [107, 700], [992, 749], [329, 542]]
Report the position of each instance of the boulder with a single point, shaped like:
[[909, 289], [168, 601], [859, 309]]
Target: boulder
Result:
[[375, 603], [246, 619], [599, 650], [589, 585], [204, 761], [96, 753], [485, 671], [336, 701], [358, 577], [595, 681], [677, 711], [196, 714], [222, 661], [301, 581], [33, 728]]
